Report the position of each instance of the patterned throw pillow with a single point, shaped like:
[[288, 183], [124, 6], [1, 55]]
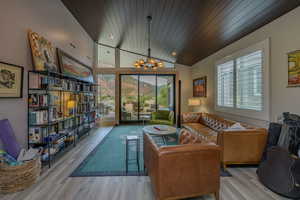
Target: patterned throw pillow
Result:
[[188, 138]]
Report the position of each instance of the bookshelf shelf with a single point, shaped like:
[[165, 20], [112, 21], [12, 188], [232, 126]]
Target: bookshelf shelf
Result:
[[61, 110]]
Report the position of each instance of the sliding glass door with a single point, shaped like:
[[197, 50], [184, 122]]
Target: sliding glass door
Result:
[[140, 95], [129, 98], [147, 96]]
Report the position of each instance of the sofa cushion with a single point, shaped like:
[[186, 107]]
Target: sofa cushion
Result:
[[191, 117], [161, 121], [193, 126], [214, 122], [202, 131], [162, 114]]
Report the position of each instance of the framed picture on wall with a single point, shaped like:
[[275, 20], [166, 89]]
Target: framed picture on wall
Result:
[[11, 80], [72, 67], [199, 87], [43, 53], [294, 69]]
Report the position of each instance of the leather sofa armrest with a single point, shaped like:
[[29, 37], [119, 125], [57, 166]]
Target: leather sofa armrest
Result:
[[243, 146]]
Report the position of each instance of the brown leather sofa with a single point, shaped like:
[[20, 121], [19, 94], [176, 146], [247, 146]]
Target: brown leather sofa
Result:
[[182, 171], [238, 146]]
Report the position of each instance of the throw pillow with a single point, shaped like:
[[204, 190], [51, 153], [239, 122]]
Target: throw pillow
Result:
[[235, 127]]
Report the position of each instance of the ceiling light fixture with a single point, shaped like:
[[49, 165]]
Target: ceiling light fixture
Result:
[[149, 62]]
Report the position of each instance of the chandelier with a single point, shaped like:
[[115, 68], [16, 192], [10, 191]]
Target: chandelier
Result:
[[149, 62]]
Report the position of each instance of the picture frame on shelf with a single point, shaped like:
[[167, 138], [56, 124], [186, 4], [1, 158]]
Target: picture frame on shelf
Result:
[[11, 80], [72, 67], [294, 69], [43, 53], [200, 87]]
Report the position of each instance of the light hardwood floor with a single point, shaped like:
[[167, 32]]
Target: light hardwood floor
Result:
[[55, 184]]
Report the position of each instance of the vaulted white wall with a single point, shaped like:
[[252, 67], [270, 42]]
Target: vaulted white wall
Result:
[[52, 20], [284, 34]]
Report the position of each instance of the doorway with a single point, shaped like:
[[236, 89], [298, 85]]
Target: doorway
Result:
[[142, 94]]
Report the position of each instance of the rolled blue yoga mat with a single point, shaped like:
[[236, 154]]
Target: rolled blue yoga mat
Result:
[[8, 138]]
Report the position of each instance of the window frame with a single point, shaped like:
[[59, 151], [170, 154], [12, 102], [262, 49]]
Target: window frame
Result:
[[264, 114]]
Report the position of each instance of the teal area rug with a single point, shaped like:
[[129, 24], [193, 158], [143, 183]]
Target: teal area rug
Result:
[[108, 157]]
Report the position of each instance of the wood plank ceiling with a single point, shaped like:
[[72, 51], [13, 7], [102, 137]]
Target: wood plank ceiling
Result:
[[194, 29]]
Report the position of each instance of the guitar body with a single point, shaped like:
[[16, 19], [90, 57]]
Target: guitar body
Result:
[[280, 172]]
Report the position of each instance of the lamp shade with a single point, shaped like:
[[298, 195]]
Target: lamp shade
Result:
[[194, 102]]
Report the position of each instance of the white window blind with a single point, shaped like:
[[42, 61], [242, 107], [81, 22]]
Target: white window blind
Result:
[[249, 81], [240, 82], [225, 84]]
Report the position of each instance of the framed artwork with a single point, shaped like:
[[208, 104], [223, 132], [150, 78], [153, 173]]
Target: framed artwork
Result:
[[294, 69], [199, 87], [11, 80], [72, 67], [43, 53]]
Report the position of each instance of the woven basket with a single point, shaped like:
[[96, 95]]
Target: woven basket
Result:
[[17, 178]]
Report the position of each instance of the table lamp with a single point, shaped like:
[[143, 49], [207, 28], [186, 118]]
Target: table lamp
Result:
[[194, 102]]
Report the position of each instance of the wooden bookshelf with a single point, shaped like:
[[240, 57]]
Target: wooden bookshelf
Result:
[[61, 110]]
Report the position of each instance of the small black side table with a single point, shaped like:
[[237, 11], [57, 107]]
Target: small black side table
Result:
[[132, 139]]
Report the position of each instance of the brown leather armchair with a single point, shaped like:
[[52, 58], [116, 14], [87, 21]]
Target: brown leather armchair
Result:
[[182, 171]]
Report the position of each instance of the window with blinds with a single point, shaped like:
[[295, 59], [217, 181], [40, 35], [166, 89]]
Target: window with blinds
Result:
[[249, 81], [225, 84], [239, 82]]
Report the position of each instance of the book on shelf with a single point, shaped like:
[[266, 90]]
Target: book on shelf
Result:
[[38, 81], [53, 114], [36, 135], [40, 100], [70, 85], [38, 117], [37, 100], [69, 123], [34, 81], [54, 83]]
